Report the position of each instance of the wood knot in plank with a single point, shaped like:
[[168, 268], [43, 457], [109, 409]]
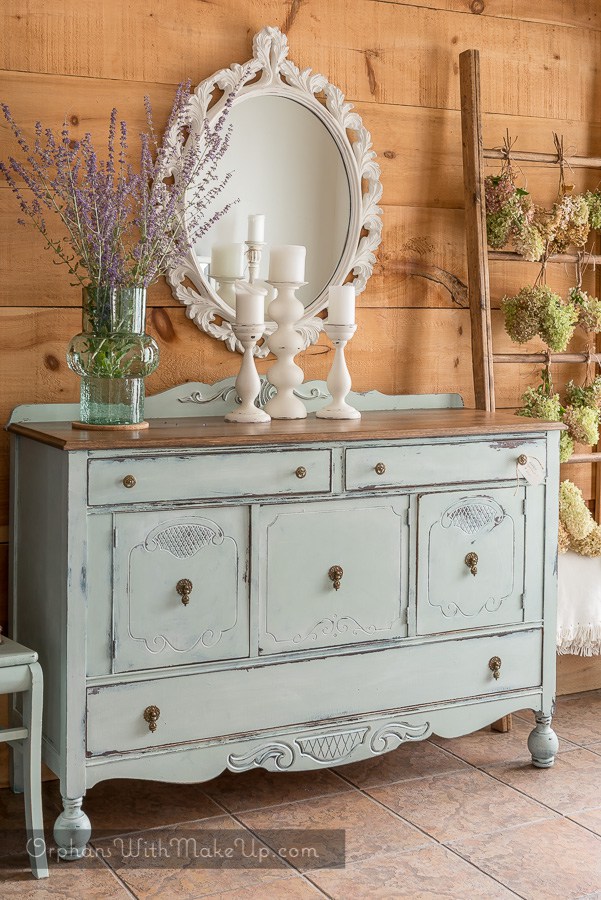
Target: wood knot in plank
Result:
[[389, 154], [477, 7], [162, 324], [74, 120], [371, 72], [51, 362]]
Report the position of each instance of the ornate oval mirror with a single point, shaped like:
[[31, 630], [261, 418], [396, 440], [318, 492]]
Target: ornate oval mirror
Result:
[[301, 157]]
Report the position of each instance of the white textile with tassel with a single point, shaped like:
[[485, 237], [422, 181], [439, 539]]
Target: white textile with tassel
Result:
[[579, 604]]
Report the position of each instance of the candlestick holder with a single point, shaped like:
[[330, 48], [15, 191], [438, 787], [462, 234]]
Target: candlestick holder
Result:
[[226, 289], [339, 380], [253, 255], [248, 383], [285, 343]]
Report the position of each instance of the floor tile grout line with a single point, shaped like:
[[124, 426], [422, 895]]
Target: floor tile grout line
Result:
[[568, 816], [432, 838], [113, 873]]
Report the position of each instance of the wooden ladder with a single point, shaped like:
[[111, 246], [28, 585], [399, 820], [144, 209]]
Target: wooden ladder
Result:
[[478, 255]]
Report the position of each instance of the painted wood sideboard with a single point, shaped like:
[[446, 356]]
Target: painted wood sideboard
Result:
[[295, 595]]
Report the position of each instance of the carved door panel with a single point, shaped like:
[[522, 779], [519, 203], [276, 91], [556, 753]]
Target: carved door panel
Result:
[[471, 549], [179, 587], [332, 573]]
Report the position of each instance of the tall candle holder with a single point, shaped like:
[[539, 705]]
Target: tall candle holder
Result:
[[339, 380], [248, 383], [285, 342], [253, 255]]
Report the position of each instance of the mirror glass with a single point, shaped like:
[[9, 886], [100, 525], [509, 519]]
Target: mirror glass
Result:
[[286, 165]]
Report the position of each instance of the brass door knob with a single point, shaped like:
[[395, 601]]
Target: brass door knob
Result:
[[129, 481], [184, 589], [151, 715], [522, 459], [301, 472], [494, 664], [379, 468], [335, 575], [471, 561]]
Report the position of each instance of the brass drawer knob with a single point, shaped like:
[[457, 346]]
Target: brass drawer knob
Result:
[[494, 664], [129, 481], [471, 561], [522, 459], [184, 589], [335, 575], [301, 472], [152, 715], [379, 468]]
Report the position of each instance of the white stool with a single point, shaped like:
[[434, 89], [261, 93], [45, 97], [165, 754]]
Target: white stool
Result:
[[20, 672]]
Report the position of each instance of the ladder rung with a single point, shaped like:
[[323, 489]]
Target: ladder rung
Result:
[[583, 458], [546, 357], [550, 159], [508, 256]]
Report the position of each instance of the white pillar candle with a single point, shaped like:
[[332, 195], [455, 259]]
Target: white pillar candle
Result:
[[256, 229], [227, 261], [287, 263], [341, 304], [250, 304]]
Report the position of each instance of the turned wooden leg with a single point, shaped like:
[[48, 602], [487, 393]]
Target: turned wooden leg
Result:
[[502, 725], [72, 829], [32, 773], [543, 743]]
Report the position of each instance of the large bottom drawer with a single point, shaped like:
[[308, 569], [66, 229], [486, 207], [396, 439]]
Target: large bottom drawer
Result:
[[207, 705]]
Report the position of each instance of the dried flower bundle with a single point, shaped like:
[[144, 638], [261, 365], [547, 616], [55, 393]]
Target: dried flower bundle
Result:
[[573, 511], [538, 310], [593, 201], [122, 227], [589, 310]]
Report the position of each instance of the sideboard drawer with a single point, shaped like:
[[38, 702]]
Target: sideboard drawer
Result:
[[208, 476], [214, 705], [332, 573], [444, 463]]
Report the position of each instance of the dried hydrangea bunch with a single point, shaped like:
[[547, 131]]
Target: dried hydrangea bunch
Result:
[[577, 528], [589, 310], [585, 396], [543, 403], [572, 217], [583, 424], [593, 201], [509, 209], [538, 310], [529, 242]]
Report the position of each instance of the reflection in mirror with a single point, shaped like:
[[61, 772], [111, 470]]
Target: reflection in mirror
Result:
[[285, 164]]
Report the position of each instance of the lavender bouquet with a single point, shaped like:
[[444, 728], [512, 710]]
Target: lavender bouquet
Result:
[[124, 227]]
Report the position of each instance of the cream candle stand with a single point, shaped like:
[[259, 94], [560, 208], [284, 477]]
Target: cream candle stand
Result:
[[339, 379], [285, 342], [254, 253], [226, 288], [248, 383]]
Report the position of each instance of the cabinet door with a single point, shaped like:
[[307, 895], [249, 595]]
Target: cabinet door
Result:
[[180, 593], [471, 550], [303, 604]]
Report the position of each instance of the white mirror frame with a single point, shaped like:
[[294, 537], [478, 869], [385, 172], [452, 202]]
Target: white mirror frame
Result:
[[280, 77]]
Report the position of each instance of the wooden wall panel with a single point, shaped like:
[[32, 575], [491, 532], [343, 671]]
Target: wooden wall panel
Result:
[[397, 61]]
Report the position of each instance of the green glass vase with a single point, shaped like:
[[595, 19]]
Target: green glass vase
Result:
[[113, 355]]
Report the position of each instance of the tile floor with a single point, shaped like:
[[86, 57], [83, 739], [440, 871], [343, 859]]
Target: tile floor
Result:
[[464, 818]]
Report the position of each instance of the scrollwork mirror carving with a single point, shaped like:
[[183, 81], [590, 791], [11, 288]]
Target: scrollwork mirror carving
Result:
[[292, 125]]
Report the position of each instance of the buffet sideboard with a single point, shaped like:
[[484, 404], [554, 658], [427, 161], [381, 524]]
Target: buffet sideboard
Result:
[[294, 595]]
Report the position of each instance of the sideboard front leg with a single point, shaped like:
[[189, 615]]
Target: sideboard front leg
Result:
[[72, 830], [543, 743]]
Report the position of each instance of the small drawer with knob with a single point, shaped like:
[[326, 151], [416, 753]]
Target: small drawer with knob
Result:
[[414, 464], [208, 476], [332, 573]]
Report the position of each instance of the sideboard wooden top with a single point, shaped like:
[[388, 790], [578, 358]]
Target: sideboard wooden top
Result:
[[214, 432]]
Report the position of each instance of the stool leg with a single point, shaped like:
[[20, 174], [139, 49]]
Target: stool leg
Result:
[[32, 773], [16, 767]]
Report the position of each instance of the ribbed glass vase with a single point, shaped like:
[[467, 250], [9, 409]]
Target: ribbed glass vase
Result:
[[113, 355]]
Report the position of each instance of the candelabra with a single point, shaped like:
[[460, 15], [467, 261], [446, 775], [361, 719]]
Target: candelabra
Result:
[[253, 255], [285, 343], [339, 380], [248, 383]]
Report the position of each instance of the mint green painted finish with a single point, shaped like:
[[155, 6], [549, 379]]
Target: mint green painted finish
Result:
[[299, 605], [454, 524], [428, 463], [208, 476], [267, 664], [155, 552]]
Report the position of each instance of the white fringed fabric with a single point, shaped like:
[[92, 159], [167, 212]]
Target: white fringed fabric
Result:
[[579, 605]]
